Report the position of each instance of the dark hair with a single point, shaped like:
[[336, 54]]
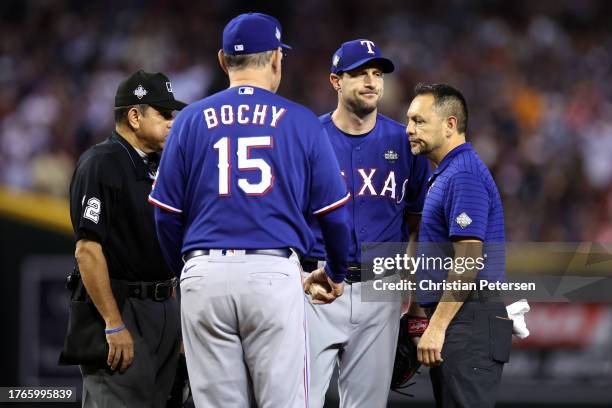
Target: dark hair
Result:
[[447, 100], [122, 111], [238, 62]]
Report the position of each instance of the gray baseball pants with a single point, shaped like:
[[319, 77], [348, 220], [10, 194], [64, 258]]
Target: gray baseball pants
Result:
[[243, 321], [361, 338]]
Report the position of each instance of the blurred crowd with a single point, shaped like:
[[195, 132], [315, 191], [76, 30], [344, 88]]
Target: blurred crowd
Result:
[[537, 76]]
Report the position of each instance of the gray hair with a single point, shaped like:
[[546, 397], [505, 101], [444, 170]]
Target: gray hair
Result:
[[238, 62]]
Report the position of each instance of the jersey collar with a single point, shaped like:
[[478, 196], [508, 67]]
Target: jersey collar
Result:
[[447, 159], [450, 155], [357, 139], [138, 163]]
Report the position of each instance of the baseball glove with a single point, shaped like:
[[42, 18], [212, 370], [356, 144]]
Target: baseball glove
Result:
[[406, 362]]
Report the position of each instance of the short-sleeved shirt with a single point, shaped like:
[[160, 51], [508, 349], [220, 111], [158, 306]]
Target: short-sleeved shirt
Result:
[[385, 179], [108, 204], [462, 202], [245, 167]]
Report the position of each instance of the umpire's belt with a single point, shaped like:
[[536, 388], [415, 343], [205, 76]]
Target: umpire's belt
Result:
[[158, 291], [282, 252], [353, 270]]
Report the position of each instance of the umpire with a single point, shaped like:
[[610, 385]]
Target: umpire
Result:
[[116, 247]]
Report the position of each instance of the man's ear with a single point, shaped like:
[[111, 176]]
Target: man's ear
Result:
[[276, 60], [451, 125], [133, 118], [335, 82], [220, 55]]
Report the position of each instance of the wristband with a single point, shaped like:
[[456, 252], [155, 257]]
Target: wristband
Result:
[[416, 325], [115, 330]]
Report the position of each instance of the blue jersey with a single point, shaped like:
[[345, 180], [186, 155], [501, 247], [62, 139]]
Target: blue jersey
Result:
[[384, 178], [244, 167], [462, 201]]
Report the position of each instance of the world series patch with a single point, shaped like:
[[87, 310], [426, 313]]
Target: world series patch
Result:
[[391, 156], [463, 220]]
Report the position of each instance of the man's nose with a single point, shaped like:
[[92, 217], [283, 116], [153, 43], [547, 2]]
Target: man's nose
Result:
[[410, 129]]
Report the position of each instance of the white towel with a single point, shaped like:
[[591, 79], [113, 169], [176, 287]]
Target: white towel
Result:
[[516, 312]]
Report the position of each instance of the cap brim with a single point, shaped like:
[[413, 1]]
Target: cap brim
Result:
[[385, 64], [285, 46], [169, 104]]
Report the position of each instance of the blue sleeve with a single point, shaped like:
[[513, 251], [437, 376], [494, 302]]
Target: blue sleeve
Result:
[[169, 186], [467, 206], [335, 229], [170, 233], [328, 189], [168, 195], [416, 190]]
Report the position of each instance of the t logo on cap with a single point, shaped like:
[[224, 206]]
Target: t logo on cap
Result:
[[368, 44], [355, 53]]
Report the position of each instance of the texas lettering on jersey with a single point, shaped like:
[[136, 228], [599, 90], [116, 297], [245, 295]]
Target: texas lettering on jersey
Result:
[[368, 187], [384, 178]]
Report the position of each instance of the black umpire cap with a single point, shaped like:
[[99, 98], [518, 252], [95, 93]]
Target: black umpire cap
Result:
[[144, 88]]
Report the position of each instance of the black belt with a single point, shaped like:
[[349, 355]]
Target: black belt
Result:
[[282, 252], [353, 273], [482, 296], [158, 291], [353, 270], [309, 264]]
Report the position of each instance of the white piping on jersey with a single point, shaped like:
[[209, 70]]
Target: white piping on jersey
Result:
[[403, 192], [333, 205], [164, 206]]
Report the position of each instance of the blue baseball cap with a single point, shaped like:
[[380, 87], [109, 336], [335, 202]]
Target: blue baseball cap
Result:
[[251, 33], [353, 54]]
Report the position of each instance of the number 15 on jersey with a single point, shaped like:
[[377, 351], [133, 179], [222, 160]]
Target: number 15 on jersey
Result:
[[245, 163]]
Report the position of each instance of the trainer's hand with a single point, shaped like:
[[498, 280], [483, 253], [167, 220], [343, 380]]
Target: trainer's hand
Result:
[[332, 290], [429, 347], [120, 349]]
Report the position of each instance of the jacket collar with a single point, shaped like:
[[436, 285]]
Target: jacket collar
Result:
[[138, 163]]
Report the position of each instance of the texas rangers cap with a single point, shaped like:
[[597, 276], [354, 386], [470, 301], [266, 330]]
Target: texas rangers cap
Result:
[[251, 33], [355, 53], [147, 89]]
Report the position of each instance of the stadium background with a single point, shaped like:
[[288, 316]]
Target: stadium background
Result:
[[537, 76]]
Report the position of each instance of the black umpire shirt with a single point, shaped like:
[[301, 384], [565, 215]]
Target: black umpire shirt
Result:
[[108, 204]]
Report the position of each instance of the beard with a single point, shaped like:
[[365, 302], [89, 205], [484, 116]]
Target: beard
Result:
[[362, 107], [421, 148]]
